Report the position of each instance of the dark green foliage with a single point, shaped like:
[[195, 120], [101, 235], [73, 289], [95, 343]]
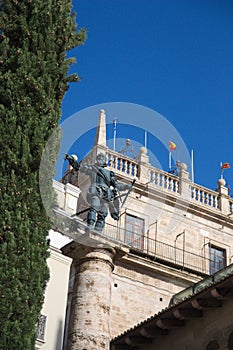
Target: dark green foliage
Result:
[[34, 39]]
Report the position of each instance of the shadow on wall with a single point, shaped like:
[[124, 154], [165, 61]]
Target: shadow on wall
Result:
[[59, 336]]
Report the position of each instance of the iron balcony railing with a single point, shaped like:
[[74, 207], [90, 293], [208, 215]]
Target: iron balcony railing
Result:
[[144, 245], [159, 251], [40, 328]]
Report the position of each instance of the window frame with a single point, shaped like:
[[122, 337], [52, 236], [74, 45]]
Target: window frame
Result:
[[134, 237], [217, 258]]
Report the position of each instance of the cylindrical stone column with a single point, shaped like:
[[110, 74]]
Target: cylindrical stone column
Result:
[[89, 327]]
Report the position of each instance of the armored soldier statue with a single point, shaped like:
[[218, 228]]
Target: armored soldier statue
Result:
[[103, 193]]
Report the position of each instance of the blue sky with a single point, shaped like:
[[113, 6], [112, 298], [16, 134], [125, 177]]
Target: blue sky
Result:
[[172, 56]]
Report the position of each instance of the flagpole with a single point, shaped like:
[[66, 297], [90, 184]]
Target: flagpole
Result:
[[221, 174], [170, 160], [192, 166], [172, 147], [145, 142], [114, 134]]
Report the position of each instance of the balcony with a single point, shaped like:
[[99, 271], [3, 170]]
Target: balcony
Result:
[[138, 244], [160, 252], [40, 331]]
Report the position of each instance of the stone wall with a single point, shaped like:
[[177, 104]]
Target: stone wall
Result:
[[140, 289]]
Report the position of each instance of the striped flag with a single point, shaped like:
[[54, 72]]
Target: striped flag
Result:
[[225, 166], [172, 146]]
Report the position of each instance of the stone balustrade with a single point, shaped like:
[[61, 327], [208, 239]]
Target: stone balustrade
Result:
[[204, 196], [163, 179], [122, 163], [179, 184]]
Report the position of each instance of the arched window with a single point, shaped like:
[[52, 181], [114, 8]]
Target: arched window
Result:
[[230, 342], [213, 345]]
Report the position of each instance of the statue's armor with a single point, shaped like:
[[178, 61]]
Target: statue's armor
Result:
[[100, 179], [102, 184], [102, 194]]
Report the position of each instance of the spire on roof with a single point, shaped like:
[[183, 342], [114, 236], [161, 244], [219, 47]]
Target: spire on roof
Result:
[[100, 137]]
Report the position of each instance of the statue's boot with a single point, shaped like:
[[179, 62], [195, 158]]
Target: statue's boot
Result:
[[99, 225], [91, 218]]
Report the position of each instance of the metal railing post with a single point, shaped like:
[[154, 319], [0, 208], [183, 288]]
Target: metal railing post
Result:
[[177, 236]]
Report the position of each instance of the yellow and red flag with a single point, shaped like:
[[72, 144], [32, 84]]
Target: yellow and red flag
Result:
[[172, 146], [225, 166]]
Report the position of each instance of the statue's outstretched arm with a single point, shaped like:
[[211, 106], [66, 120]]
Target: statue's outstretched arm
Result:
[[118, 185], [73, 161]]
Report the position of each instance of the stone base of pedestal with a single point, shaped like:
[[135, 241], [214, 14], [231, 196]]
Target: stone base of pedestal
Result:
[[88, 342]]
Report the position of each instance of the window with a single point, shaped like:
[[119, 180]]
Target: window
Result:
[[134, 227], [217, 259]]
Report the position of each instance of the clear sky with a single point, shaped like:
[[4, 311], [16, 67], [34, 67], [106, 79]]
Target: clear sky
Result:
[[172, 56]]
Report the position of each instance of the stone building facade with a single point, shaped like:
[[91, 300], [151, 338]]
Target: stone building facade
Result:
[[199, 318], [50, 328], [171, 234]]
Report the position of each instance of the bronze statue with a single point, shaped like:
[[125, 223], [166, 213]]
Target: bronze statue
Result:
[[103, 193]]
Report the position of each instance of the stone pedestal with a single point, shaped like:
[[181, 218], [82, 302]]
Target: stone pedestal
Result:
[[184, 187], [143, 162], [223, 197], [90, 307]]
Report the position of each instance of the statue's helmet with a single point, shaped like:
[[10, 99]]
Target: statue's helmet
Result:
[[101, 159], [75, 158]]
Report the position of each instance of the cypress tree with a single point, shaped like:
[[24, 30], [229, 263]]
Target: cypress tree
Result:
[[34, 39]]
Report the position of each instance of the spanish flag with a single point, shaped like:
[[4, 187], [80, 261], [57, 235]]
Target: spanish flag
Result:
[[225, 166], [172, 146]]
